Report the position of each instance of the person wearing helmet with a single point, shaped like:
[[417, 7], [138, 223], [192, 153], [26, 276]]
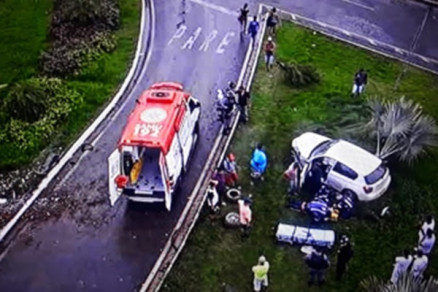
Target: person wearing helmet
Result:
[[260, 272], [345, 253], [230, 167], [269, 53]]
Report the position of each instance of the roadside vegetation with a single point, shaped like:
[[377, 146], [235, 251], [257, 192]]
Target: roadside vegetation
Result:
[[61, 61], [215, 257]]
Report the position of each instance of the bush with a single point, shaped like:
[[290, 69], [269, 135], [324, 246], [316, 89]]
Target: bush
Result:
[[58, 100], [65, 59], [299, 75]]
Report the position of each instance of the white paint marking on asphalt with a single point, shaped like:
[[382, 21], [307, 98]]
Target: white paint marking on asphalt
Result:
[[208, 40], [359, 4], [293, 17], [163, 254], [225, 41], [45, 182], [371, 41], [178, 33], [321, 24], [346, 32], [427, 60], [192, 39], [215, 7], [398, 50]]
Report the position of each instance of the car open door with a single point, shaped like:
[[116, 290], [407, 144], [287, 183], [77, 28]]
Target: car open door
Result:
[[166, 183], [303, 174], [113, 172]]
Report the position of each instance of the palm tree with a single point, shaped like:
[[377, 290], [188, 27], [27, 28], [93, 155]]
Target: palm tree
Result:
[[406, 283], [401, 129]]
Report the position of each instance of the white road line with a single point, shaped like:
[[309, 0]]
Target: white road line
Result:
[[346, 32], [371, 41], [359, 4], [215, 7]]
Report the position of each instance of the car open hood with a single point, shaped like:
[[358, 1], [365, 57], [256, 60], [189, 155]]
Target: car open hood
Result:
[[305, 143]]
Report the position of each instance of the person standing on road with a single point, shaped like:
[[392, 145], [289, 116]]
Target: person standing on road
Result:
[[419, 265], [360, 81], [245, 215], [318, 263], [269, 53], [272, 21], [243, 17], [401, 266], [243, 99], [260, 272], [345, 253], [427, 242], [253, 29]]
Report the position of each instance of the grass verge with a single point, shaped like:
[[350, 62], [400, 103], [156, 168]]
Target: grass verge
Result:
[[215, 256], [26, 33]]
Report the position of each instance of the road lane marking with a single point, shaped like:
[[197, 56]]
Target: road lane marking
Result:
[[192, 39], [178, 33], [206, 43], [215, 7], [359, 4], [225, 41]]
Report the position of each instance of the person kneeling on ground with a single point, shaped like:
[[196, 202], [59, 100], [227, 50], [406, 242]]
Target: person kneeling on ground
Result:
[[213, 201], [259, 162], [317, 209]]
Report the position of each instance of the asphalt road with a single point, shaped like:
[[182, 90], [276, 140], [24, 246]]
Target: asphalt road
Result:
[[89, 246]]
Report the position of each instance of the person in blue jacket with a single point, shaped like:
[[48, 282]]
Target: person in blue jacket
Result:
[[259, 161]]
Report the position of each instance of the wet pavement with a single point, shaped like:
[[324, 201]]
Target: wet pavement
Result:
[[89, 246]]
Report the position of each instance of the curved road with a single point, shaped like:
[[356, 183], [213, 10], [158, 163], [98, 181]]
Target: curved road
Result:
[[89, 246]]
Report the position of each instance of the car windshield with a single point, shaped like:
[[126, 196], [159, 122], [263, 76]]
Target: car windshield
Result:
[[323, 147], [375, 175]]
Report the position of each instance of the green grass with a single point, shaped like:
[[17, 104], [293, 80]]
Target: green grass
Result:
[[23, 31], [214, 255], [97, 83]]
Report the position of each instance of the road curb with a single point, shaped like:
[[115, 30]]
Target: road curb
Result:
[[387, 50], [188, 218], [122, 93]]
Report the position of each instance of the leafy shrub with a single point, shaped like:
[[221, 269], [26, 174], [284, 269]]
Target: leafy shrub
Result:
[[299, 75], [59, 101], [87, 12], [64, 59]]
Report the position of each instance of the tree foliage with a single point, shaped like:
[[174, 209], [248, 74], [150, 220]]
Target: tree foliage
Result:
[[407, 283], [401, 129], [299, 75]]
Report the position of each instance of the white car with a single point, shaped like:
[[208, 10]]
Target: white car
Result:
[[345, 167]]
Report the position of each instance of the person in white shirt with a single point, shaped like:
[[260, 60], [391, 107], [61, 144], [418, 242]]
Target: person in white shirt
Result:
[[401, 266], [419, 265], [427, 242], [429, 223], [213, 197]]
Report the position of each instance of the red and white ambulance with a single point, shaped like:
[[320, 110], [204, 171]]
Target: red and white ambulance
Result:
[[155, 148]]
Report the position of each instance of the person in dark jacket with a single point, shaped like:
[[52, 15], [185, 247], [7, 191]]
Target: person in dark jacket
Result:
[[243, 17], [318, 263], [253, 29], [243, 99], [359, 83], [345, 253]]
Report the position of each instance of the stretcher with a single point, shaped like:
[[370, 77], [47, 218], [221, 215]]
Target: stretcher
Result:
[[293, 234]]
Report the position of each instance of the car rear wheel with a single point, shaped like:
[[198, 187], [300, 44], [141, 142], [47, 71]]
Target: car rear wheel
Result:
[[351, 194]]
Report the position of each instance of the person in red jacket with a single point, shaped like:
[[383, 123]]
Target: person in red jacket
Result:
[[269, 53]]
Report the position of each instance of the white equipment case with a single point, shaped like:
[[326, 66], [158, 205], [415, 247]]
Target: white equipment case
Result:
[[306, 236]]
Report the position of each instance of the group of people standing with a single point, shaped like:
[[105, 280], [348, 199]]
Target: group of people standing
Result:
[[416, 263]]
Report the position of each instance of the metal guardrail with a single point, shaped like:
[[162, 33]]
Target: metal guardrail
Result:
[[180, 234]]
